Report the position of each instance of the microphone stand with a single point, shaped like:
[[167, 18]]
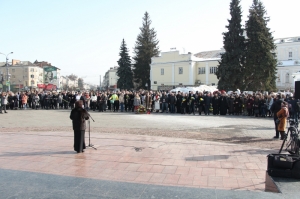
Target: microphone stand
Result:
[[90, 145]]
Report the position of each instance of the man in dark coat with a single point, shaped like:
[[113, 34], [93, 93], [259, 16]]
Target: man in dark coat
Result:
[[172, 102], [66, 100], [207, 103], [200, 103], [215, 104], [78, 116], [72, 99], [126, 101], [223, 104], [178, 102], [164, 102], [191, 101]]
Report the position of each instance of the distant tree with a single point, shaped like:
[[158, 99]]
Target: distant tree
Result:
[[72, 77], [65, 87], [146, 47], [230, 69], [260, 66], [80, 83], [124, 71]]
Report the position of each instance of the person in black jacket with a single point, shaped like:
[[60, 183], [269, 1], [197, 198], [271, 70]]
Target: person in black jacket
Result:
[[172, 102], [191, 101], [216, 104], [207, 103], [178, 102], [66, 100], [223, 104], [184, 103], [276, 106], [164, 102], [78, 117], [72, 99]]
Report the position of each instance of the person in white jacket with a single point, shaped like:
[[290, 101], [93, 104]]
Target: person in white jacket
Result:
[[93, 101], [4, 100]]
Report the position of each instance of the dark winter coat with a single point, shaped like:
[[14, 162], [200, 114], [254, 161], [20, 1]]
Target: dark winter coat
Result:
[[275, 108], [78, 117]]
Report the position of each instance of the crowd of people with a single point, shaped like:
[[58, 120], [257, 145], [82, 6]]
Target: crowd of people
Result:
[[206, 103], [217, 103]]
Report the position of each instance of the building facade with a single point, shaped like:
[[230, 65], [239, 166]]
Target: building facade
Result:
[[110, 79], [172, 69], [23, 75], [288, 62]]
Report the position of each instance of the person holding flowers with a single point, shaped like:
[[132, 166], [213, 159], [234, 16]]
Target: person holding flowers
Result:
[[184, 103]]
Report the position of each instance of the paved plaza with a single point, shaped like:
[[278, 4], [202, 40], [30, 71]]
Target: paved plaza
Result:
[[137, 156]]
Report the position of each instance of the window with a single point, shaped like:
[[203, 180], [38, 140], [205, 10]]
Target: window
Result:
[[180, 70], [32, 70], [287, 78], [201, 70], [278, 78], [32, 82], [26, 69], [32, 76], [213, 70], [155, 82], [162, 71], [290, 54]]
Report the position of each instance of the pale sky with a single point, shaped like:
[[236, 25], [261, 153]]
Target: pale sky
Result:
[[83, 37]]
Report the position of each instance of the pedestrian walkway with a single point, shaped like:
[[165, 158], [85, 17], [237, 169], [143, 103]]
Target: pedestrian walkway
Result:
[[20, 184], [147, 160]]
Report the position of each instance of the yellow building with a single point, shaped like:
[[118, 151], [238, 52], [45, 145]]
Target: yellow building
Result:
[[172, 69], [23, 74]]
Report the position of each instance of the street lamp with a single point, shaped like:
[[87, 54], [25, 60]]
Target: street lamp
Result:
[[7, 73], [19, 85]]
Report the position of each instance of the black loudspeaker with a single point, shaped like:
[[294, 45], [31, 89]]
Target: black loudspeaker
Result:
[[297, 89]]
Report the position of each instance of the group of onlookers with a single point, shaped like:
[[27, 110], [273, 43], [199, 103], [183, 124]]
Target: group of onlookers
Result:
[[217, 103]]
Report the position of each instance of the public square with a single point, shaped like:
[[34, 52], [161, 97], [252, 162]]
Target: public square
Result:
[[137, 156]]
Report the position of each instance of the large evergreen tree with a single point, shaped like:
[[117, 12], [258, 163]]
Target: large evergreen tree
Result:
[[230, 68], [260, 67], [124, 71], [145, 48]]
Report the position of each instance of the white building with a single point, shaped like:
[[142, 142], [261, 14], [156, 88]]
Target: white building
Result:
[[110, 78], [288, 62], [173, 69]]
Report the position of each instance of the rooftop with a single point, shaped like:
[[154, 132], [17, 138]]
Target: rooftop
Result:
[[210, 54], [287, 40]]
